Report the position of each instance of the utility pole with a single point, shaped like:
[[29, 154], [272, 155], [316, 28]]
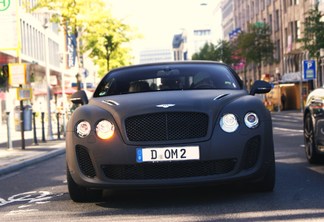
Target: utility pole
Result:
[[47, 73]]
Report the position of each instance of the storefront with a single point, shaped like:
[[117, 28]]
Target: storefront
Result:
[[290, 93]]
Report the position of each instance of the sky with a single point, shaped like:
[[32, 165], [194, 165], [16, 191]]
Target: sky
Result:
[[159, 20]]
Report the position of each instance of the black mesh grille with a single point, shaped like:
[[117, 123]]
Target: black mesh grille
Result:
[[252, 149], [84, 161], [170, 170], [167, 126]]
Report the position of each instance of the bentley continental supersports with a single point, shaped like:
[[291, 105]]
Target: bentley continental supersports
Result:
[[171, 124]]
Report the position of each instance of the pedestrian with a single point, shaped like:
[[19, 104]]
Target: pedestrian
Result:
[[283, 100]]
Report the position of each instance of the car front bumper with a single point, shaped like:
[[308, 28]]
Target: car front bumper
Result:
[[98, 164]]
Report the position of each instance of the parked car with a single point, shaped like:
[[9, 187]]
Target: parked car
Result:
[[169, 124], [314, 126]]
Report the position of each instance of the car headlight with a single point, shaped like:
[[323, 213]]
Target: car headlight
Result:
[[105, 129], [83, 129], [229, 123], [251, 120]]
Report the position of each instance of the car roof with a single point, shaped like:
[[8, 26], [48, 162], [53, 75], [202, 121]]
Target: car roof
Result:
[[170, 63]]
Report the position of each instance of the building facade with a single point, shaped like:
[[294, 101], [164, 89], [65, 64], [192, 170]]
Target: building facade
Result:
[[29, 40], [155, 55], [286, 19], [228, 23], [179, 45]]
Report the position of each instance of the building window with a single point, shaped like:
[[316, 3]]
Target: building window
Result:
[[286, 37], [277, 50], [247, 11], [292, 31], [262, 4], [277, 19], [23, 36], [297, 25], [270, 22], [202, 32]]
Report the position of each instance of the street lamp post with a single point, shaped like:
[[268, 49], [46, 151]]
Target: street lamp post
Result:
[[47, 72]]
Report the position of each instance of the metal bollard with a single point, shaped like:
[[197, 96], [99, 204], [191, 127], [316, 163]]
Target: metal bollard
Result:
[[35, 133], [58, 125], [43, 128], [8, 131], [64, 126], [22, 125]]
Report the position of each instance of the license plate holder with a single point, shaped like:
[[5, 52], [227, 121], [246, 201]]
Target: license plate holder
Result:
[[159, 154]]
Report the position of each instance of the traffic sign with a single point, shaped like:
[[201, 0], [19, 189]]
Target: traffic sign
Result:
[[17, 74], [24, 94], [309, 69]]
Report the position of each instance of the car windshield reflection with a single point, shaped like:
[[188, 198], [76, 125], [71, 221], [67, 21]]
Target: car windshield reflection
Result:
[[159, 78]]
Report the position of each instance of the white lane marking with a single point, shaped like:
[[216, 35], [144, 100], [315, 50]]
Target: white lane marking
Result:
[[29, 197], [288, 130]]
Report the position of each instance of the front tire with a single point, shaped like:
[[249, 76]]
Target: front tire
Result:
[[79, 193], [267, 183], [310, 148]]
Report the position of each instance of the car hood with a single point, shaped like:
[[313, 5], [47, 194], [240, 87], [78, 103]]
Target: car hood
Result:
[[207, 101]]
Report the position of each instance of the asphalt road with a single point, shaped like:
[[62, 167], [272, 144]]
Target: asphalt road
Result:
[[40, 193]]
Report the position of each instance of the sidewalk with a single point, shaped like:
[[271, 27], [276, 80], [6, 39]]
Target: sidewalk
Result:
[[15, 158]]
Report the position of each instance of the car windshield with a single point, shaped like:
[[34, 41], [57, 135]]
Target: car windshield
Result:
[[167, 77]]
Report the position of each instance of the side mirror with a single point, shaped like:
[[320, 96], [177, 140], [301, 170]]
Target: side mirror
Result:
[[79, 98], [260, 86]]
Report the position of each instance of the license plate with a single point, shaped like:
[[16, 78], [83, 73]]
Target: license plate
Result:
[[167, 154]]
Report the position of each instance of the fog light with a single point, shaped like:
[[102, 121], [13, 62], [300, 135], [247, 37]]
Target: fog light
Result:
[[105, 129]]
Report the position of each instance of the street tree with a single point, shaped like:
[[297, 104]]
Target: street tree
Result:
[[256, 47], [313, 36], [107, 41], [223, 51], [78, 19], [207, 52]]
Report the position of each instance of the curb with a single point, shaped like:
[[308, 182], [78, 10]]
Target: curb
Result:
[[28, 162]]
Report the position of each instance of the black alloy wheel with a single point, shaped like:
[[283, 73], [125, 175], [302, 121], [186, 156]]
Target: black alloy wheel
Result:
[[310, 147]]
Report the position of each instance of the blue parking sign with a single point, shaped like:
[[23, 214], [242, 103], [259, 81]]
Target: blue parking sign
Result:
[[309, 68]]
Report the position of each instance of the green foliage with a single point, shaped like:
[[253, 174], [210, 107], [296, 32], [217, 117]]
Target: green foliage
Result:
[[313, 39], [223, 51], [256, 46], [207, 52], [92, 23], [106, 41]]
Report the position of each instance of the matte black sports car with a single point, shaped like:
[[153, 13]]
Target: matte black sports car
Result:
[[314, 126], [169, 124]]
